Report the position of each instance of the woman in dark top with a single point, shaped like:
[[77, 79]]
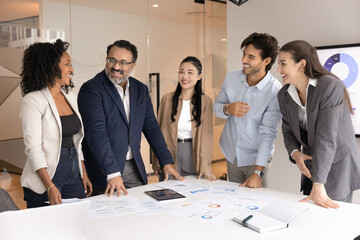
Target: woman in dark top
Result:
[[52, 128]]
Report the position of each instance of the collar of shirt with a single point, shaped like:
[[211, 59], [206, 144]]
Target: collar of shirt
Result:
[[295, 96], [260, 85], [120, 89]]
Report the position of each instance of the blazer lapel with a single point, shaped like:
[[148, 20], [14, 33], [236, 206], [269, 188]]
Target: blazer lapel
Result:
[[53, 108], [293, 110], [309, 102], [133, 98], [113, 93], [309, 105]]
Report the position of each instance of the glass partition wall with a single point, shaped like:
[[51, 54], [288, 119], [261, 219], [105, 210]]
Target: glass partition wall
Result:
[[165, 32]]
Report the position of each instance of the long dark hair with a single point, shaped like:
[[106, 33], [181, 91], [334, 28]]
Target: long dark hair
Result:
[[196, 98], [41, 66], [301, 49]]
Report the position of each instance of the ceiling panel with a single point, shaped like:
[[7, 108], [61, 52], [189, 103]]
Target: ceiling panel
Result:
[[17, 9]]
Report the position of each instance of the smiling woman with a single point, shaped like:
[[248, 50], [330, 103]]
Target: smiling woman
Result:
[[45, 65], [52, 128], [185, 118], [317, 127]]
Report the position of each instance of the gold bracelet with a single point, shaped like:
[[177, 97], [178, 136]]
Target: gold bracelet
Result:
[[49, 187], [84, 173]]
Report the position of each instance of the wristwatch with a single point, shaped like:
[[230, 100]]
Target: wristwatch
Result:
[[259, 173], [225, 109]]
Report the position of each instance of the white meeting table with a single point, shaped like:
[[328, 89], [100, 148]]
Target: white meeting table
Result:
[[315, 223]]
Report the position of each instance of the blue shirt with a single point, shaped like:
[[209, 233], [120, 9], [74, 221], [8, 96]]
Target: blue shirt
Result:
[[250, 138]]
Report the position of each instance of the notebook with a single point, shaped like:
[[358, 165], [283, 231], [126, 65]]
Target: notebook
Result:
[[275, 216], [64, 221]]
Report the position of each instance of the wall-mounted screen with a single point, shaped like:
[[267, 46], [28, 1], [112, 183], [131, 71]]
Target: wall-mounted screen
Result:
[[344, 62]]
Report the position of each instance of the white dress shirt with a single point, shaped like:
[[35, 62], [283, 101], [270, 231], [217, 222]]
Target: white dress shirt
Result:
[[125, 97]]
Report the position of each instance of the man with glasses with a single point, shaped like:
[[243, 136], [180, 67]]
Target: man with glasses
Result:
[[116, 109]]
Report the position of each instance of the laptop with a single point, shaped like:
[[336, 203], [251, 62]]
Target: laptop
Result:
[[64, 221]]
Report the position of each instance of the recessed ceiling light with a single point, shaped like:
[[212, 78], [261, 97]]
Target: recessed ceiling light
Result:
[[155, 5], [223, 39]]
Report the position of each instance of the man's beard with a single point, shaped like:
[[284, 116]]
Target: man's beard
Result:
[[117, 81]]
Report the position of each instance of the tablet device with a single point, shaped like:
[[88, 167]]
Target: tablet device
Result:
[[165, 194]]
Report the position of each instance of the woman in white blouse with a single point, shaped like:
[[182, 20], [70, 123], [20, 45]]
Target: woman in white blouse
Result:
[[186, 121]]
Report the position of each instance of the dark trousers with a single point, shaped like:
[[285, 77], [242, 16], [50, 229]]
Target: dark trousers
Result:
[[66, 179]]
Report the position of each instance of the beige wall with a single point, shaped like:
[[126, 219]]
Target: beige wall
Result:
[[10, 95]]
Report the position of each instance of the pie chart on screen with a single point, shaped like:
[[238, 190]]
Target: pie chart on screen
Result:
[[344, 66]]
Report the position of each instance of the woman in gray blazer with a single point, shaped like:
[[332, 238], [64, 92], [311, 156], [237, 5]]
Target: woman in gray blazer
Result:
[[317, 128], [52, 128]]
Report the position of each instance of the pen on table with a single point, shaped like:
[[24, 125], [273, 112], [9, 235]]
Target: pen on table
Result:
[[244, 222]]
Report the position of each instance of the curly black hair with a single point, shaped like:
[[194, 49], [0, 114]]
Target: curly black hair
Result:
[[41, 66]]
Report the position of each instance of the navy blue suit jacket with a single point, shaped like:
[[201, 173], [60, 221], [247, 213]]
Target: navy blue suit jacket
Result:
[[108, 132]]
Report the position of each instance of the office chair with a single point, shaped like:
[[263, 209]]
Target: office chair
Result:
[[6, 203]]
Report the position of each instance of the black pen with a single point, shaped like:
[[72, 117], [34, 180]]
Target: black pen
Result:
[[244, 222]]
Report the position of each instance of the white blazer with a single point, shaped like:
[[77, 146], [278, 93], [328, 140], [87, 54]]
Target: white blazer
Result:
[[43, 136]]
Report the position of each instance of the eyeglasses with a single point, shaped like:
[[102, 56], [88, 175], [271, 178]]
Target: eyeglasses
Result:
[[113, 62]]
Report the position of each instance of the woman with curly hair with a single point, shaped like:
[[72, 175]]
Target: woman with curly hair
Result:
[[52, 128], [186, 121]]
